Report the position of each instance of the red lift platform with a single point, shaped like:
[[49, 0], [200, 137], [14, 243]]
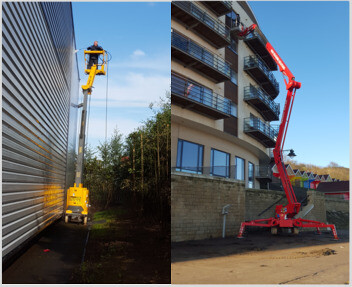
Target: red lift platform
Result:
[[284, 215]]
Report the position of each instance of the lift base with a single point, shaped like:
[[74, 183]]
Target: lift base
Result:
[[287, 223]]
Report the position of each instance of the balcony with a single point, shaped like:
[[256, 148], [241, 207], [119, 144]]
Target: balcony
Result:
[[195, 18], [199, 58], [262, 102], [259, 130], [259, 71], [256, 41], [193, 96], [263, 173], [220, 8]]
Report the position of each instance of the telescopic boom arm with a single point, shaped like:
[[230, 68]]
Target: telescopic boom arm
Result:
[[285, 216]]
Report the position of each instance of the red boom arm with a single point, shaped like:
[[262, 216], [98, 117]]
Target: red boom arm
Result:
[[284, 215], [293, 207]]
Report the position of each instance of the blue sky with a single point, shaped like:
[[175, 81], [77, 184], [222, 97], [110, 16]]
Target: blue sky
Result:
[[311, 37], [138, 37], [313, 40]]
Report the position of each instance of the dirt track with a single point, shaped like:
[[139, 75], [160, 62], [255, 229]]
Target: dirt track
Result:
[[262, 258]]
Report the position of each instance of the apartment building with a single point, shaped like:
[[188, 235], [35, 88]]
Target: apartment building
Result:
[[223, 94]]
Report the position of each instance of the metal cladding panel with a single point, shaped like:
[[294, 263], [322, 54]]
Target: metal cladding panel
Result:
[[40, 85]]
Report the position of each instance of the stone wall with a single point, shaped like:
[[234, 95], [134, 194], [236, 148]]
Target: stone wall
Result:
[[337, 204], [318, 213], [261, 204], [197, 202]]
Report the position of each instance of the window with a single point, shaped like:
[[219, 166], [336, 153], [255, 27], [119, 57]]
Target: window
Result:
[[233, 110], [235, 18], [220, 163], [233, 77], [239, 168], [233, 46], [189, 157], [250, 175]]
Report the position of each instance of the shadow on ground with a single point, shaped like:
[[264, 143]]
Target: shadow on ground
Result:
[[256, 240], [51, 258]]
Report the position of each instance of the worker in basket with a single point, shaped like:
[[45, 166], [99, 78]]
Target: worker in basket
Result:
[[93, 58]]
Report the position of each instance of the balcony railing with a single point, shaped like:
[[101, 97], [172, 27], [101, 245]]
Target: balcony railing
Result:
[[216, 171], [219, 7], [260, 72], [206, 101], [200, 58], [212, 29], [264, 133], [262, 102], [257, 43], [263, 172]]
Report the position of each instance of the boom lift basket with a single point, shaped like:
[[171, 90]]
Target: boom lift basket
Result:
[[100, 67]]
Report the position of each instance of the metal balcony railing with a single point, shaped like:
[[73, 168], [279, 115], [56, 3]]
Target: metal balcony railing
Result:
[[257, 41], [263, 172], [256, 124], [201, 54], [218, 171], [219, 7], [255, 34], [193, 91], [204, 17], [255, 62], [252, 92]]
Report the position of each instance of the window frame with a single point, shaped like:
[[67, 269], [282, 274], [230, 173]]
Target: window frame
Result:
[[200, 157], [228, 164], [244, 168], [250, 163]]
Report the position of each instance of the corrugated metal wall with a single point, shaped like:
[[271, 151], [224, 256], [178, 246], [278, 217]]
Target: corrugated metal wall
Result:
[[39, 116]]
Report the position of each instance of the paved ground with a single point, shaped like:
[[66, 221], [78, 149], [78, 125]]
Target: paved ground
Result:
[[262, 258], [65, 242]]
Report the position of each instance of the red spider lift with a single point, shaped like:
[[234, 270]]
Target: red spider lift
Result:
[[284, 215]]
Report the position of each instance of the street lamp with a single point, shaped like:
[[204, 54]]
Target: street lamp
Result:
[[291, 153]]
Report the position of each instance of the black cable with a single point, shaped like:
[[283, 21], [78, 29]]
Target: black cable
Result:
[[106, 102]]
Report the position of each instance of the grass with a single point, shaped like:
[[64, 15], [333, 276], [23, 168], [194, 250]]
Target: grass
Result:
[[122, 249], [105, 222]]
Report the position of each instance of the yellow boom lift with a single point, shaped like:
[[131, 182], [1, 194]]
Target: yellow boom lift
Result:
[[78, 196]]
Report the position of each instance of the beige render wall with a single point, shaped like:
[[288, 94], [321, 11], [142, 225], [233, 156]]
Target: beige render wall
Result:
[[209, 141]]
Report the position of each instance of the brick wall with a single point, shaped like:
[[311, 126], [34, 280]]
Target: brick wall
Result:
[[196, 206]]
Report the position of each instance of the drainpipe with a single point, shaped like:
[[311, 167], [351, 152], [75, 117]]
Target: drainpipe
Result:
[[225, 211]]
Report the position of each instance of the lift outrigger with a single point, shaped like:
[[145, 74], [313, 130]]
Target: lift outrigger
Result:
[[77, 196], [285, 216]]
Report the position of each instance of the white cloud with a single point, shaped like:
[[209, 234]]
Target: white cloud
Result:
[[131, 90], [138, 53], [159, 62], [96, 129]]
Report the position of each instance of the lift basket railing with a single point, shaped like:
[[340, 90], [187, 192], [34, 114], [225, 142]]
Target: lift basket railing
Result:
[[101, 62]]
